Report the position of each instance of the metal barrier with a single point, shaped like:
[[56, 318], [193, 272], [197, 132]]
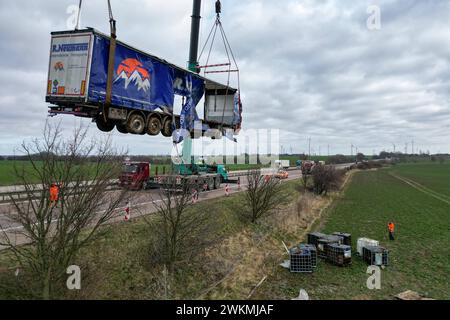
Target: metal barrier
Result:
[[5, 197]]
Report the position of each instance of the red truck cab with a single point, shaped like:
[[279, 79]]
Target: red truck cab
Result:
[[134, 175], [307, 166]]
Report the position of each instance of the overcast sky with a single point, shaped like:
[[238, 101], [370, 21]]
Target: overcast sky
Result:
[[309, 68]]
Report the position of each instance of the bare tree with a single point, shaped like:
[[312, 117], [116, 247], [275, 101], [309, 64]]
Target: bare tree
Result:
[[179, 232], [326, 178], [263, 195], [48, 235]]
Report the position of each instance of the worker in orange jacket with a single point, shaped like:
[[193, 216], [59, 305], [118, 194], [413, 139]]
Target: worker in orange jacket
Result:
[[54, 194], [391, 229]]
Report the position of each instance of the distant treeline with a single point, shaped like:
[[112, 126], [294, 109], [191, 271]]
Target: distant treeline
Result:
[[155, 159], [332, 159]]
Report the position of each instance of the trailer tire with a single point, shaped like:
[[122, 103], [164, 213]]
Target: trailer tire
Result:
[[121, 128], [135, 124], [154, 125], [217, 183], [107, 126], [210, 183], [167, 127]]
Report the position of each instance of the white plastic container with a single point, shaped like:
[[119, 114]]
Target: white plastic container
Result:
[[365, 242]]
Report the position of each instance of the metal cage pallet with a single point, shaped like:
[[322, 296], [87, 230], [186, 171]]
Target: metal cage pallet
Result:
[[301, 260], [376, 255], [312, 248], [314, 237], [346, 237], [322, 244], [339, 254]]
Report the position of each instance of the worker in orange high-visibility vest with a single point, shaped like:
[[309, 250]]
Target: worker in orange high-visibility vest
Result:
[[391, 229], [54, 194]]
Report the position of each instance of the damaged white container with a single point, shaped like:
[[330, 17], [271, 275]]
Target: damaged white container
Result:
[[365, 242]]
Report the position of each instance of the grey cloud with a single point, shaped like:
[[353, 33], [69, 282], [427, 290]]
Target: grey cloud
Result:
[[309, 68]]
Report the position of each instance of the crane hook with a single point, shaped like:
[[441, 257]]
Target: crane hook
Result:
[[218, 8]]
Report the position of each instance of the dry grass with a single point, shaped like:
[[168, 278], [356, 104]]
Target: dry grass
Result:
[[246, 257]]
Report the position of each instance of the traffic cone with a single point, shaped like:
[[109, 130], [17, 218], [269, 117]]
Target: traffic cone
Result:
[[127, 212], [227, 190]]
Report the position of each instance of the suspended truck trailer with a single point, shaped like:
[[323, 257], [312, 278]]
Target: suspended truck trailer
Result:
[[143, 88]]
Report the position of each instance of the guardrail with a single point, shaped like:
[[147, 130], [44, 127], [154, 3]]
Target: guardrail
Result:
[[21, 195]]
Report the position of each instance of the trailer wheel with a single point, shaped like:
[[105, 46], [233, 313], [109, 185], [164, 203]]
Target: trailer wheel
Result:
[[210, 183], [107, 126], [167, 127], [217, 183], [121, 128], [154, 125], [136, 124]]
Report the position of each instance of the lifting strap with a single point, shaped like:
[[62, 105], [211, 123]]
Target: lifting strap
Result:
[[111, 58], [229, 53]]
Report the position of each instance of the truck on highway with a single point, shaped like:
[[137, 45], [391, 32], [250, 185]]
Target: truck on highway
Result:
[[282, 164], [136, 176], [307, 166]]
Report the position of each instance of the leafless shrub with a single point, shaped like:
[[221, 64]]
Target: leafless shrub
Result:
[[326, 178], [54, 233], [179, 233], [262, 197], [370, 165]]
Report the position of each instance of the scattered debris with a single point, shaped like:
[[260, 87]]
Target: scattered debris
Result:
[[410, 295], [302, 295], [286, 264], [285, 247], [256, 287]]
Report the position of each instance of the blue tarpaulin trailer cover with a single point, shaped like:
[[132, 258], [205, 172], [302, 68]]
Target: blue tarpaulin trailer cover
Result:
[[78, 70]]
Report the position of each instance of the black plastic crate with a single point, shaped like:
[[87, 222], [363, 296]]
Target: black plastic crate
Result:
[[313, 237], [312, 248], [322, 244], [346, 237], [339, 254], [300, 260], [376, 256]]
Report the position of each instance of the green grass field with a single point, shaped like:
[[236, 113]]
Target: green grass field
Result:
[[420, 259], [7, 172], [432, 175]]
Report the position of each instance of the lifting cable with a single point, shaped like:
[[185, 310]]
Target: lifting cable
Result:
[[77, 25], [229, 53]]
